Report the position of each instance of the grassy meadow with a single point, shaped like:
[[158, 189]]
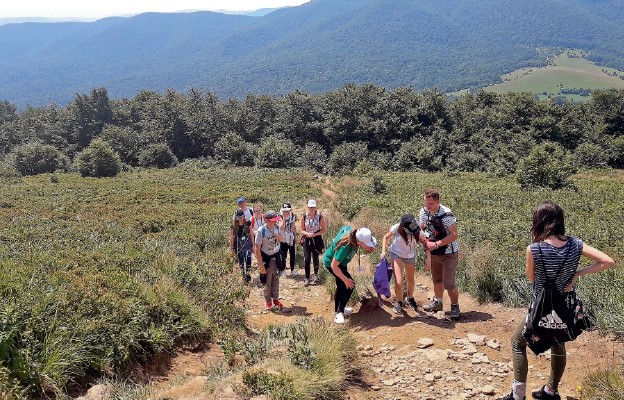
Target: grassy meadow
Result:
[[98, 274], [568, 70], [494, 220]]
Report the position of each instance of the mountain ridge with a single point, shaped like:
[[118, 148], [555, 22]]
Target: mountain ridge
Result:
[[318, 46]]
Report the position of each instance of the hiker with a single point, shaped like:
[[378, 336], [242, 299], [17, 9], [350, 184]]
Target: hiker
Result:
[[241, 243], [338, 254], [406, 235], [268, 239], [257, 219], [289, 228], [242, 205], [440, 227], [551, 256], [313, 227]]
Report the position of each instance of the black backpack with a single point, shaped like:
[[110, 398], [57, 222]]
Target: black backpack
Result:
[[439, 232], [553, 316]]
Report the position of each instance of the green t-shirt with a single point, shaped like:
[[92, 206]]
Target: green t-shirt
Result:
[[344, 254]]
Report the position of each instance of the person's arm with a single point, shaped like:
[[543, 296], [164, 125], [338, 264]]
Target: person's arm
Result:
[[335, 266], [259, 258], [450, 238], [602, 262], [423, 239], [232, 240], [303, 229], [530, 265], [323, 227], [384, 242], [294, 231]]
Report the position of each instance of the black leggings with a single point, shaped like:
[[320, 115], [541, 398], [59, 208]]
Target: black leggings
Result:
[[343, 294], [310, 253], [287, 250]]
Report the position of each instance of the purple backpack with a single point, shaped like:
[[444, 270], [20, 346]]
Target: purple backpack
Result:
[[381, 281]]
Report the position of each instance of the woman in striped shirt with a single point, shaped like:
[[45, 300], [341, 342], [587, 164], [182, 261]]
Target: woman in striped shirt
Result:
[[559, 255]]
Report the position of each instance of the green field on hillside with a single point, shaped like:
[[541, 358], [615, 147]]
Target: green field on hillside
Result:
[[569, 70], [96, 274]]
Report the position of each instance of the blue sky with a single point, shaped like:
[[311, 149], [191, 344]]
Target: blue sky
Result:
[[98, 8]]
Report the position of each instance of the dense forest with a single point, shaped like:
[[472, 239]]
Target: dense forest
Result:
[[353, 129], [316, 47]]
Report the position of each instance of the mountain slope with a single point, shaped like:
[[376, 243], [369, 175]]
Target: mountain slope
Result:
[[317, 46]]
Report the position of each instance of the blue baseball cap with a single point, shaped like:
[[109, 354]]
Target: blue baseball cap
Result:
[[240, 200]]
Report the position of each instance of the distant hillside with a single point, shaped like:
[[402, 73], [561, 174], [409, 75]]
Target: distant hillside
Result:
[[315, 47]]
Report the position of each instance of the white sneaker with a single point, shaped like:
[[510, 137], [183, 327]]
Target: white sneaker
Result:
[[306, 282], [339, 318], [294, 272], [348, 311], [314, 279]]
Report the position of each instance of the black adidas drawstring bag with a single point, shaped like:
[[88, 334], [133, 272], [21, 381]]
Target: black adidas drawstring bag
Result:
[[553, 317]]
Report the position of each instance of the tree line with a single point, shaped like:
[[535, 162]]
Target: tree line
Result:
[[352, 129]]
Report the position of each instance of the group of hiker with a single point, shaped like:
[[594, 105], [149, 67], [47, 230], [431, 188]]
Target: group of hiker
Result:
[[272, 237], [555, 315]]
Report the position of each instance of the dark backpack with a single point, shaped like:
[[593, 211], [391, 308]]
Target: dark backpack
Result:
[[553, 316], [439, 232]]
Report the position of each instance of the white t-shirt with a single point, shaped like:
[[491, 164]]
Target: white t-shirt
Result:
[[399, 247]]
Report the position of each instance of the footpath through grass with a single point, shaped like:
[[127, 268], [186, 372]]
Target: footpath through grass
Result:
[[96, 274]]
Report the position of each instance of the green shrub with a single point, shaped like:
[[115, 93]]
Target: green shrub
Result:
[[590, 155], [124, 141], [276, 151], [310, 359], [37, 158], [346, 157], [98, 160], [616, 156], [603, 385], [313, 156], [157, 155], [233, 149], [546, 166]]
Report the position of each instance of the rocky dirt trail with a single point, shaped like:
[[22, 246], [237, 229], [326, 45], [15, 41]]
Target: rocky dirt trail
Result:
[[416, 355]]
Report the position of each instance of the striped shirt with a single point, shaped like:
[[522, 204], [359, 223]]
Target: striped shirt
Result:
[[552, 259], [425, 216]]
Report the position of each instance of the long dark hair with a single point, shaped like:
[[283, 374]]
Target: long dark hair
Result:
[[548, 219], [403, 233]]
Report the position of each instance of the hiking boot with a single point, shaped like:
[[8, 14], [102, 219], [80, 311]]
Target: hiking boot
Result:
[[314, 279], [455, 313], [398, 308], [347, 311], [541, 394], [339, 318], [411, 303], [510, 396], [435, 305], [268, 306], [306, 282], [278, 305]]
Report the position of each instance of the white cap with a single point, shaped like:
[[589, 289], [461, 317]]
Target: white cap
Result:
[[311, 203], [365, 236]]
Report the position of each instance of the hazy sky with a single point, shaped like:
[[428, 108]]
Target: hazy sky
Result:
[[105, 8]]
